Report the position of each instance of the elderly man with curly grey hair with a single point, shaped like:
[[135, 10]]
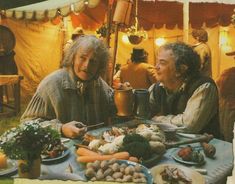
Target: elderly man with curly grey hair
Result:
[[75, 95]]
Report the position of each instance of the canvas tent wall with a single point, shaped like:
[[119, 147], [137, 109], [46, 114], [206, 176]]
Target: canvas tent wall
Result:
[[39, 43], [40, 37]]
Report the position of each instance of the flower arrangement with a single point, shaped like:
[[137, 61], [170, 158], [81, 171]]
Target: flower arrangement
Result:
[[28, 141]]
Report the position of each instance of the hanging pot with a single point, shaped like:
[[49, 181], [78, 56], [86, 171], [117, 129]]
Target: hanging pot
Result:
[[29, 169], [135, 39]]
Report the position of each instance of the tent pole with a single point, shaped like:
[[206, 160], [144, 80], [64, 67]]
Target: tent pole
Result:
[[109, 23], [114, 52], [154, 46], [186, 20]]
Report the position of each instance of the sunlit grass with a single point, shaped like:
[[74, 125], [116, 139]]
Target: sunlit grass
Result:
[[8, 123]]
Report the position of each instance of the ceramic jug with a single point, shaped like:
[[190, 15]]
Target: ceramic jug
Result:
[[124, 101], [141, 105]]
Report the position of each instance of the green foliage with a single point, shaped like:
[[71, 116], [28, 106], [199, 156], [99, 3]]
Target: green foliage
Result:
[[28, 140], [102, 31], [133, 138], [137, 146]]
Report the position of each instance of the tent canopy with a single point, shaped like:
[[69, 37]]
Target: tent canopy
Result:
[[151, 13], [170, 14], [49, 9]]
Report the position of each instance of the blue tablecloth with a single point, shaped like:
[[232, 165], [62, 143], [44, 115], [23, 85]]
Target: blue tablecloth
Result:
[[217, 169]]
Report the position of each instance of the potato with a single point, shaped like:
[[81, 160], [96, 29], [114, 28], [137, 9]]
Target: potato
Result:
[[96, 164], [137, 168], [89, 165], [117, 175], [100, 174], [129, 170], [109, 178], [136, 175], [115, 167], [108, 172], [90, 172], [127, 178], [104, 164]]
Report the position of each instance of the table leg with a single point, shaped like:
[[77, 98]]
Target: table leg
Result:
[[1, 98], [17, 97]]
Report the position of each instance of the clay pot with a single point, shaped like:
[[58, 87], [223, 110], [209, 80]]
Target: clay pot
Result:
[[124, 101], [29, 169]]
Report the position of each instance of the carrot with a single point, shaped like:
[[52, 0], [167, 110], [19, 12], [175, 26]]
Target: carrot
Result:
[[86, 152], [124, 155], [91, 158], [134, 159]]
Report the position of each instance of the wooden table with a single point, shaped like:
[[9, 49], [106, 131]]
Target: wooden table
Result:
[[6, 80]]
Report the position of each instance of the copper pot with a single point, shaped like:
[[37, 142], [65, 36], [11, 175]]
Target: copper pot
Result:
[[124, 101]]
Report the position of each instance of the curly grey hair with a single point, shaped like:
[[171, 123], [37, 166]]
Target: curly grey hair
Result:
[[101, 52], [184, 55]]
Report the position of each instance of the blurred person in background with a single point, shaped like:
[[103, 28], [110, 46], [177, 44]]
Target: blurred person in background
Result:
[[76, 34], [226, 86], [137, 71], [201, 47]]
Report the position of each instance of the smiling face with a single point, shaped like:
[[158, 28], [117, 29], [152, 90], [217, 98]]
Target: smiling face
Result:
[[166, 70], [85, 66]]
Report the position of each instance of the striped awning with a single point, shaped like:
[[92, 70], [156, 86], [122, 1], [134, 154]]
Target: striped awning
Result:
[[49, 9]]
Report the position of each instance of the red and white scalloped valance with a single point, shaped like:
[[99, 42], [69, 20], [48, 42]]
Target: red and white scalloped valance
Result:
[[49, 9]]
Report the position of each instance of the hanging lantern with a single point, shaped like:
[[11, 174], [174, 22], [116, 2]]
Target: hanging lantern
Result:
[[122, 12], [135, 36]]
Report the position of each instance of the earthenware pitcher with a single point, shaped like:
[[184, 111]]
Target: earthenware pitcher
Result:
[[141, 106], [124, 101]]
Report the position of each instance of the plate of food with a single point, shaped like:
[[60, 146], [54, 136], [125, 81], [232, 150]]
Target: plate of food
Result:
[[117, 171], [170, 173], [187, 155], [146, 142], [59, 153], [143, 169], [10, 168]]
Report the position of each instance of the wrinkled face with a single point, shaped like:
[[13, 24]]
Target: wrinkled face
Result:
[[165, 66], [85, 65]]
